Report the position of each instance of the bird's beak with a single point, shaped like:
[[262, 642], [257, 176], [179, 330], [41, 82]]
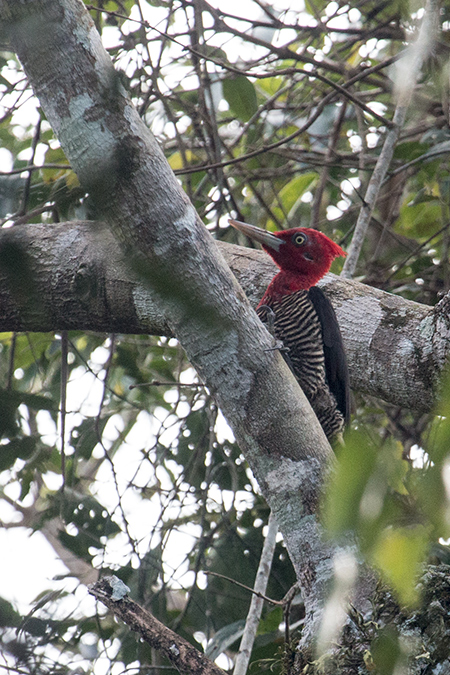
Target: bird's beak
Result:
[[262, 236]]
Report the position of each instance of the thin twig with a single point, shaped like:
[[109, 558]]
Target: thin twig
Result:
[[332, 142], [428, 155], [34, 167], [158, 383], [416, 251], [21, 220], [256, 605], [27, 186], [63, 411], [288, 600], [247, 588], [272, 146]]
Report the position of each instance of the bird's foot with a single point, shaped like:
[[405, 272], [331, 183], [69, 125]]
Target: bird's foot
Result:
[[278, 346], [269, 322], [269, 318]]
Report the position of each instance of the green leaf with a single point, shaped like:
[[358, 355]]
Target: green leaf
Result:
[[17, 448], [9, 403], [31, 347], [290, 197], [240, 94], [75, 544], [176, 160], [8, 615], [271, 622], [419, 220], [270, 85], [409, 150], [86, 435], [399, 555], [297, 187], [26, 476], [319, 5], [356, 462], [386, 651], [54, 156], [34, 401], [224, 638]]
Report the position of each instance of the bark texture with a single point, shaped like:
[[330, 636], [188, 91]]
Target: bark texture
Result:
[[78, 279], [183, 656]]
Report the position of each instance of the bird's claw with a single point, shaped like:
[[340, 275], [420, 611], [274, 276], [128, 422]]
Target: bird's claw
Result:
[[278, 346], [269, 319], [270, 325]]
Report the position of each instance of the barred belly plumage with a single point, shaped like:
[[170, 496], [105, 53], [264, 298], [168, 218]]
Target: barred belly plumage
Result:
[[296, 324]]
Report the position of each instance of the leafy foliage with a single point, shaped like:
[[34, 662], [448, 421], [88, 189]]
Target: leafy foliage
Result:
[[256, 118]]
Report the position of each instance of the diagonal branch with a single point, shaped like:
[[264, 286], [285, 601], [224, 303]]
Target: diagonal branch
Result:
[[181, 654], [409, 69], [256, 604]]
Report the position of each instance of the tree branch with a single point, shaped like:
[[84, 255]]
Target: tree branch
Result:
[[409, 69], [256, 604], [79, 280], [183, 656]]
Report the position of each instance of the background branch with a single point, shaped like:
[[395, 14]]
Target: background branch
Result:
[[256, 604], [409, 69], [184, 657]]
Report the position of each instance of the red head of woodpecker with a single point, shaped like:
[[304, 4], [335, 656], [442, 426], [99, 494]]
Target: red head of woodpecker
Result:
[[304, 320], [303, 255]]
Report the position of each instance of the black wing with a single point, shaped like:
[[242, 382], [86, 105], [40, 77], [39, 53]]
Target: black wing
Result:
[[335, 360]]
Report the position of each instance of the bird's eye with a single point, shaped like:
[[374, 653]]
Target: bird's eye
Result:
[[299, 238]]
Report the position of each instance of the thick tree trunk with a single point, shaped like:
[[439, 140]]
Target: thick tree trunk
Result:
[[119, 163]]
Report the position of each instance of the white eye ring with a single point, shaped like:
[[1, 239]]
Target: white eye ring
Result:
[[299, 239]]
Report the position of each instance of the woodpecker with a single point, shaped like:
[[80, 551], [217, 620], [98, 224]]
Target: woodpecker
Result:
[[303, 318]]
